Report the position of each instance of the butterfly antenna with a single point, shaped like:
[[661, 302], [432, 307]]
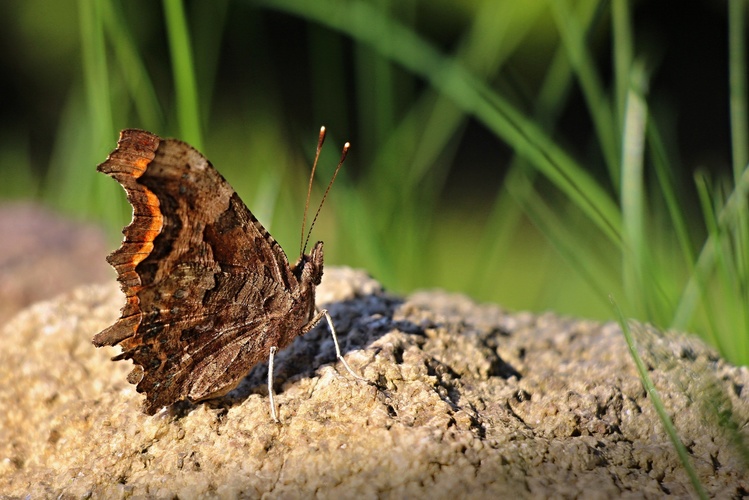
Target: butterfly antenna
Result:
[[344, 152], [320, 140]]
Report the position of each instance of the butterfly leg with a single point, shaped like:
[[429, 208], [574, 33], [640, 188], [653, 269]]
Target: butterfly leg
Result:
[[324, 314], [273, 350]]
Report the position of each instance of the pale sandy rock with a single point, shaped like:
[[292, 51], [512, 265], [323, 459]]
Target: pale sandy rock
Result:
[[469, 401]]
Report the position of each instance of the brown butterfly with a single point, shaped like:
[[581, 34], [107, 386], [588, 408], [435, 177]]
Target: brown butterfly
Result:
[[210, 293]]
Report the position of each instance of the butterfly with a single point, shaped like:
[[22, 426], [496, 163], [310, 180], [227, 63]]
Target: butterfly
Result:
[[210, 293]]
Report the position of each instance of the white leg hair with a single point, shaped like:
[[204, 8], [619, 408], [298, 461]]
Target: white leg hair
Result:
[[320, 315], [338, 354], [270, 384]]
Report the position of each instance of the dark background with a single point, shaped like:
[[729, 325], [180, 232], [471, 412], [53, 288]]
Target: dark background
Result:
[[40, 63]]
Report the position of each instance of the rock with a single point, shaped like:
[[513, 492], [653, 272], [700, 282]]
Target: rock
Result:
[[44, 254], [466, 400]]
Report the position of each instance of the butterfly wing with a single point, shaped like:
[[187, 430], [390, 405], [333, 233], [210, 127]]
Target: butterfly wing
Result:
[[208, 289]]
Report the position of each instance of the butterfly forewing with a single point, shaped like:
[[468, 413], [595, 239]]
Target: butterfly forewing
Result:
[[209, 289]]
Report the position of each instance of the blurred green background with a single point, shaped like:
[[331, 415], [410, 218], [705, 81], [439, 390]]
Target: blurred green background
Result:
[[543, 155]]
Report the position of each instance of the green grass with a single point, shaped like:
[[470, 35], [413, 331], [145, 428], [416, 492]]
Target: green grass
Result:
[[660, 408], [706, 291], [561, 230]]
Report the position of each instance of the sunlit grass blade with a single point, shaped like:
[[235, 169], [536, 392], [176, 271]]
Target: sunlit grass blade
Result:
[[740, 155], [726, 217], [131, 68], [584, 66], [728, 294], [644, 285], [623, 54], [95, 69], [737, 85], [660, 409], [185, 86], [70, 181], [705, 283], [632, 194]]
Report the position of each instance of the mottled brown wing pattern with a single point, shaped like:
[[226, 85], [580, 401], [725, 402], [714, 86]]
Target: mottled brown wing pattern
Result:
[[208, 289]]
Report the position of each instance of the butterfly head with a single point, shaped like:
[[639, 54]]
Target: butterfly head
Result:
[[308, 269]]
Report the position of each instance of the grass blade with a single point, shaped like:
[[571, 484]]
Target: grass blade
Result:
[[139, 85], [584, 66], [186, 92], [632, 194], [364, 23], [737, 84], [658, 403]]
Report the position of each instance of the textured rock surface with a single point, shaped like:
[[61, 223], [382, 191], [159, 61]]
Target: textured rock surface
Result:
[[472, 401]]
